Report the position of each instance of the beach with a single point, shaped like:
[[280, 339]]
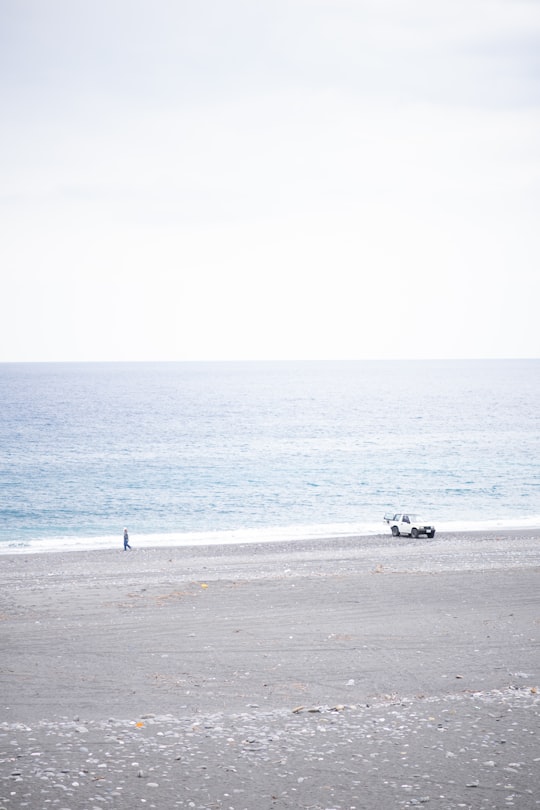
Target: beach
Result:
[[336, 674]]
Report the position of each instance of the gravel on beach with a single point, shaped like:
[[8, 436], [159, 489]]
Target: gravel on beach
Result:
[[327, 675]]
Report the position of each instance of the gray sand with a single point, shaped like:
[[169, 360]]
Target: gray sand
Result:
[[330, 675]]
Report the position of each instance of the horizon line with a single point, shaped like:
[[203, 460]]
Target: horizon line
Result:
[[272, 360]]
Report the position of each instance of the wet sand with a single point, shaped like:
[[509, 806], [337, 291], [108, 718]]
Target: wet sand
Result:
[[341, 674]]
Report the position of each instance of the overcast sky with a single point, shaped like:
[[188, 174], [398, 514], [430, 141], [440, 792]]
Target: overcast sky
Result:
[[268, 179]]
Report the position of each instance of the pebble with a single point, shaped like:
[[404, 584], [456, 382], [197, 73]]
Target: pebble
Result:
[[284, 757]]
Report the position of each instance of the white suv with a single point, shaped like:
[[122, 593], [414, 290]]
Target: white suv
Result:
[[401, 523]]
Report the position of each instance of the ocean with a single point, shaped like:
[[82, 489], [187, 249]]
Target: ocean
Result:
[[200, 453]]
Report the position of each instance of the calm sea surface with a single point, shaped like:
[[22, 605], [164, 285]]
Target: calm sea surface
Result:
[[205, 452]]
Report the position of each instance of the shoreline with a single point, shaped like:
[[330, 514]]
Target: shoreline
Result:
[[245, 538], [344, 673]]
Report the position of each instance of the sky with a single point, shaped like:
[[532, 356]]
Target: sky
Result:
[[269, 179]]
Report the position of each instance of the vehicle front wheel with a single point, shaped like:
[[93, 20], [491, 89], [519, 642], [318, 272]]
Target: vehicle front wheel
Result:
[[414, 533], [395, 531]]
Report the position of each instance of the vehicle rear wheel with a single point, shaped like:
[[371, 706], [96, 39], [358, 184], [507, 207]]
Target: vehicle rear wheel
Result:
[[414, 532], [431, 534], [395, 531]]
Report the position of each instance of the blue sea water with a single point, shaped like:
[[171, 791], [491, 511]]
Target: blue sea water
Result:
[[229, 452]]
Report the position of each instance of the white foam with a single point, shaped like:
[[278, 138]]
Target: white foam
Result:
[[492, 524], [253, 535]]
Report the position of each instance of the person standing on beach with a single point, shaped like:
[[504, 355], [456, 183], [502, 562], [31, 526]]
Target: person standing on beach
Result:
[[126, 540]]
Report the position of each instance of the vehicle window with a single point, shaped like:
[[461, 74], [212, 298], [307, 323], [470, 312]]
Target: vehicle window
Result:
[[406, 519]]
